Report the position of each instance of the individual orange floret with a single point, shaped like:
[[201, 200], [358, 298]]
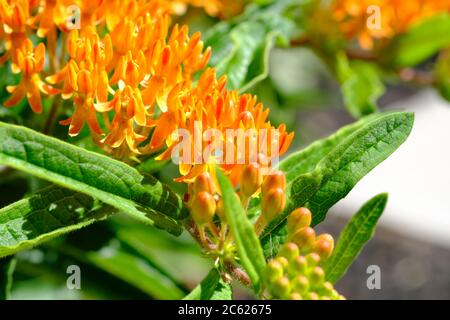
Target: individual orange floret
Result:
[[14, 16], [83, 101], [30, 62], [129, 110]]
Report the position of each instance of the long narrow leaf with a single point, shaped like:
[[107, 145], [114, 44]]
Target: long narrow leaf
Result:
[[355, 235]]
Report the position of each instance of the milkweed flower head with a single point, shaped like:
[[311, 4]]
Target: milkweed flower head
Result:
[[371, 20], [130, 76]]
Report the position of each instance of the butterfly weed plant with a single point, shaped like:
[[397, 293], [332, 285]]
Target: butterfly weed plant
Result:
[[100, 97]]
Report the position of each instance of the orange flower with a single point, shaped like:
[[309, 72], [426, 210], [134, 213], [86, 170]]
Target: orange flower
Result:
[[221, 8], [209, 105], [30, 62], [129, 110], [85, 111], [396, 16], [141, 73], [14, 16]]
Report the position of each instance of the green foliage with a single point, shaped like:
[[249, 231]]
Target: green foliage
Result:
[[108, 180], [356, 156], [211, 288], [420, 42], [247, 243], [306, 160], [131, 268], [7, 266], [349, 157], [361, 85], [241, 46], [355, 235], [45, 215], [443, 74]]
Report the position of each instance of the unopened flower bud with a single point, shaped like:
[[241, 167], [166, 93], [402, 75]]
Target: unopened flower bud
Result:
[[299, 218], [295, 296], [297, 266], [327, 289], [317, 275], [276, 179], [273, 271], [289, 251], [311, 296], [273, 203], [324, 245], [281, 288], [313, 259], [251, 179], [203, 207], [220, 210], [283, 261], [203, 183], [304, 238], [300, 284]]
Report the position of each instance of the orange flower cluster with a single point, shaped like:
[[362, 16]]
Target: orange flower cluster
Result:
[[123, 63], [395, 16]]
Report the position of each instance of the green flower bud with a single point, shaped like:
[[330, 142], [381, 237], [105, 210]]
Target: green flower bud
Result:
[[251, 180], [273, 271], [316, 276], [300, 284], [281, 288], [289, 251], [295, 296], [311, 296], [283, 261], [304, 238], [220, 210], [313, 259], [273, 203], [327, 289], [203, 208], [298, 219], [297, 266]]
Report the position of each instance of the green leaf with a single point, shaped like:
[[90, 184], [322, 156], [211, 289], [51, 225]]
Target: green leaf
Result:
[[108, 180], [7, 267], [296, 167], [355, 235], [250, 252], [356, 156], [420, 42], [306, 160], [131, 268], [45, 215], [361, 85], [241, 46], [442, 72], [211, 288], [348, 156]]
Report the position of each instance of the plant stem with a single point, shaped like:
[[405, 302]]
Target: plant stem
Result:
[[49, 123], [238, 274]]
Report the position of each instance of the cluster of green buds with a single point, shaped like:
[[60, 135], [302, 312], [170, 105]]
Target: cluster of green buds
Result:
[[296, 273]]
